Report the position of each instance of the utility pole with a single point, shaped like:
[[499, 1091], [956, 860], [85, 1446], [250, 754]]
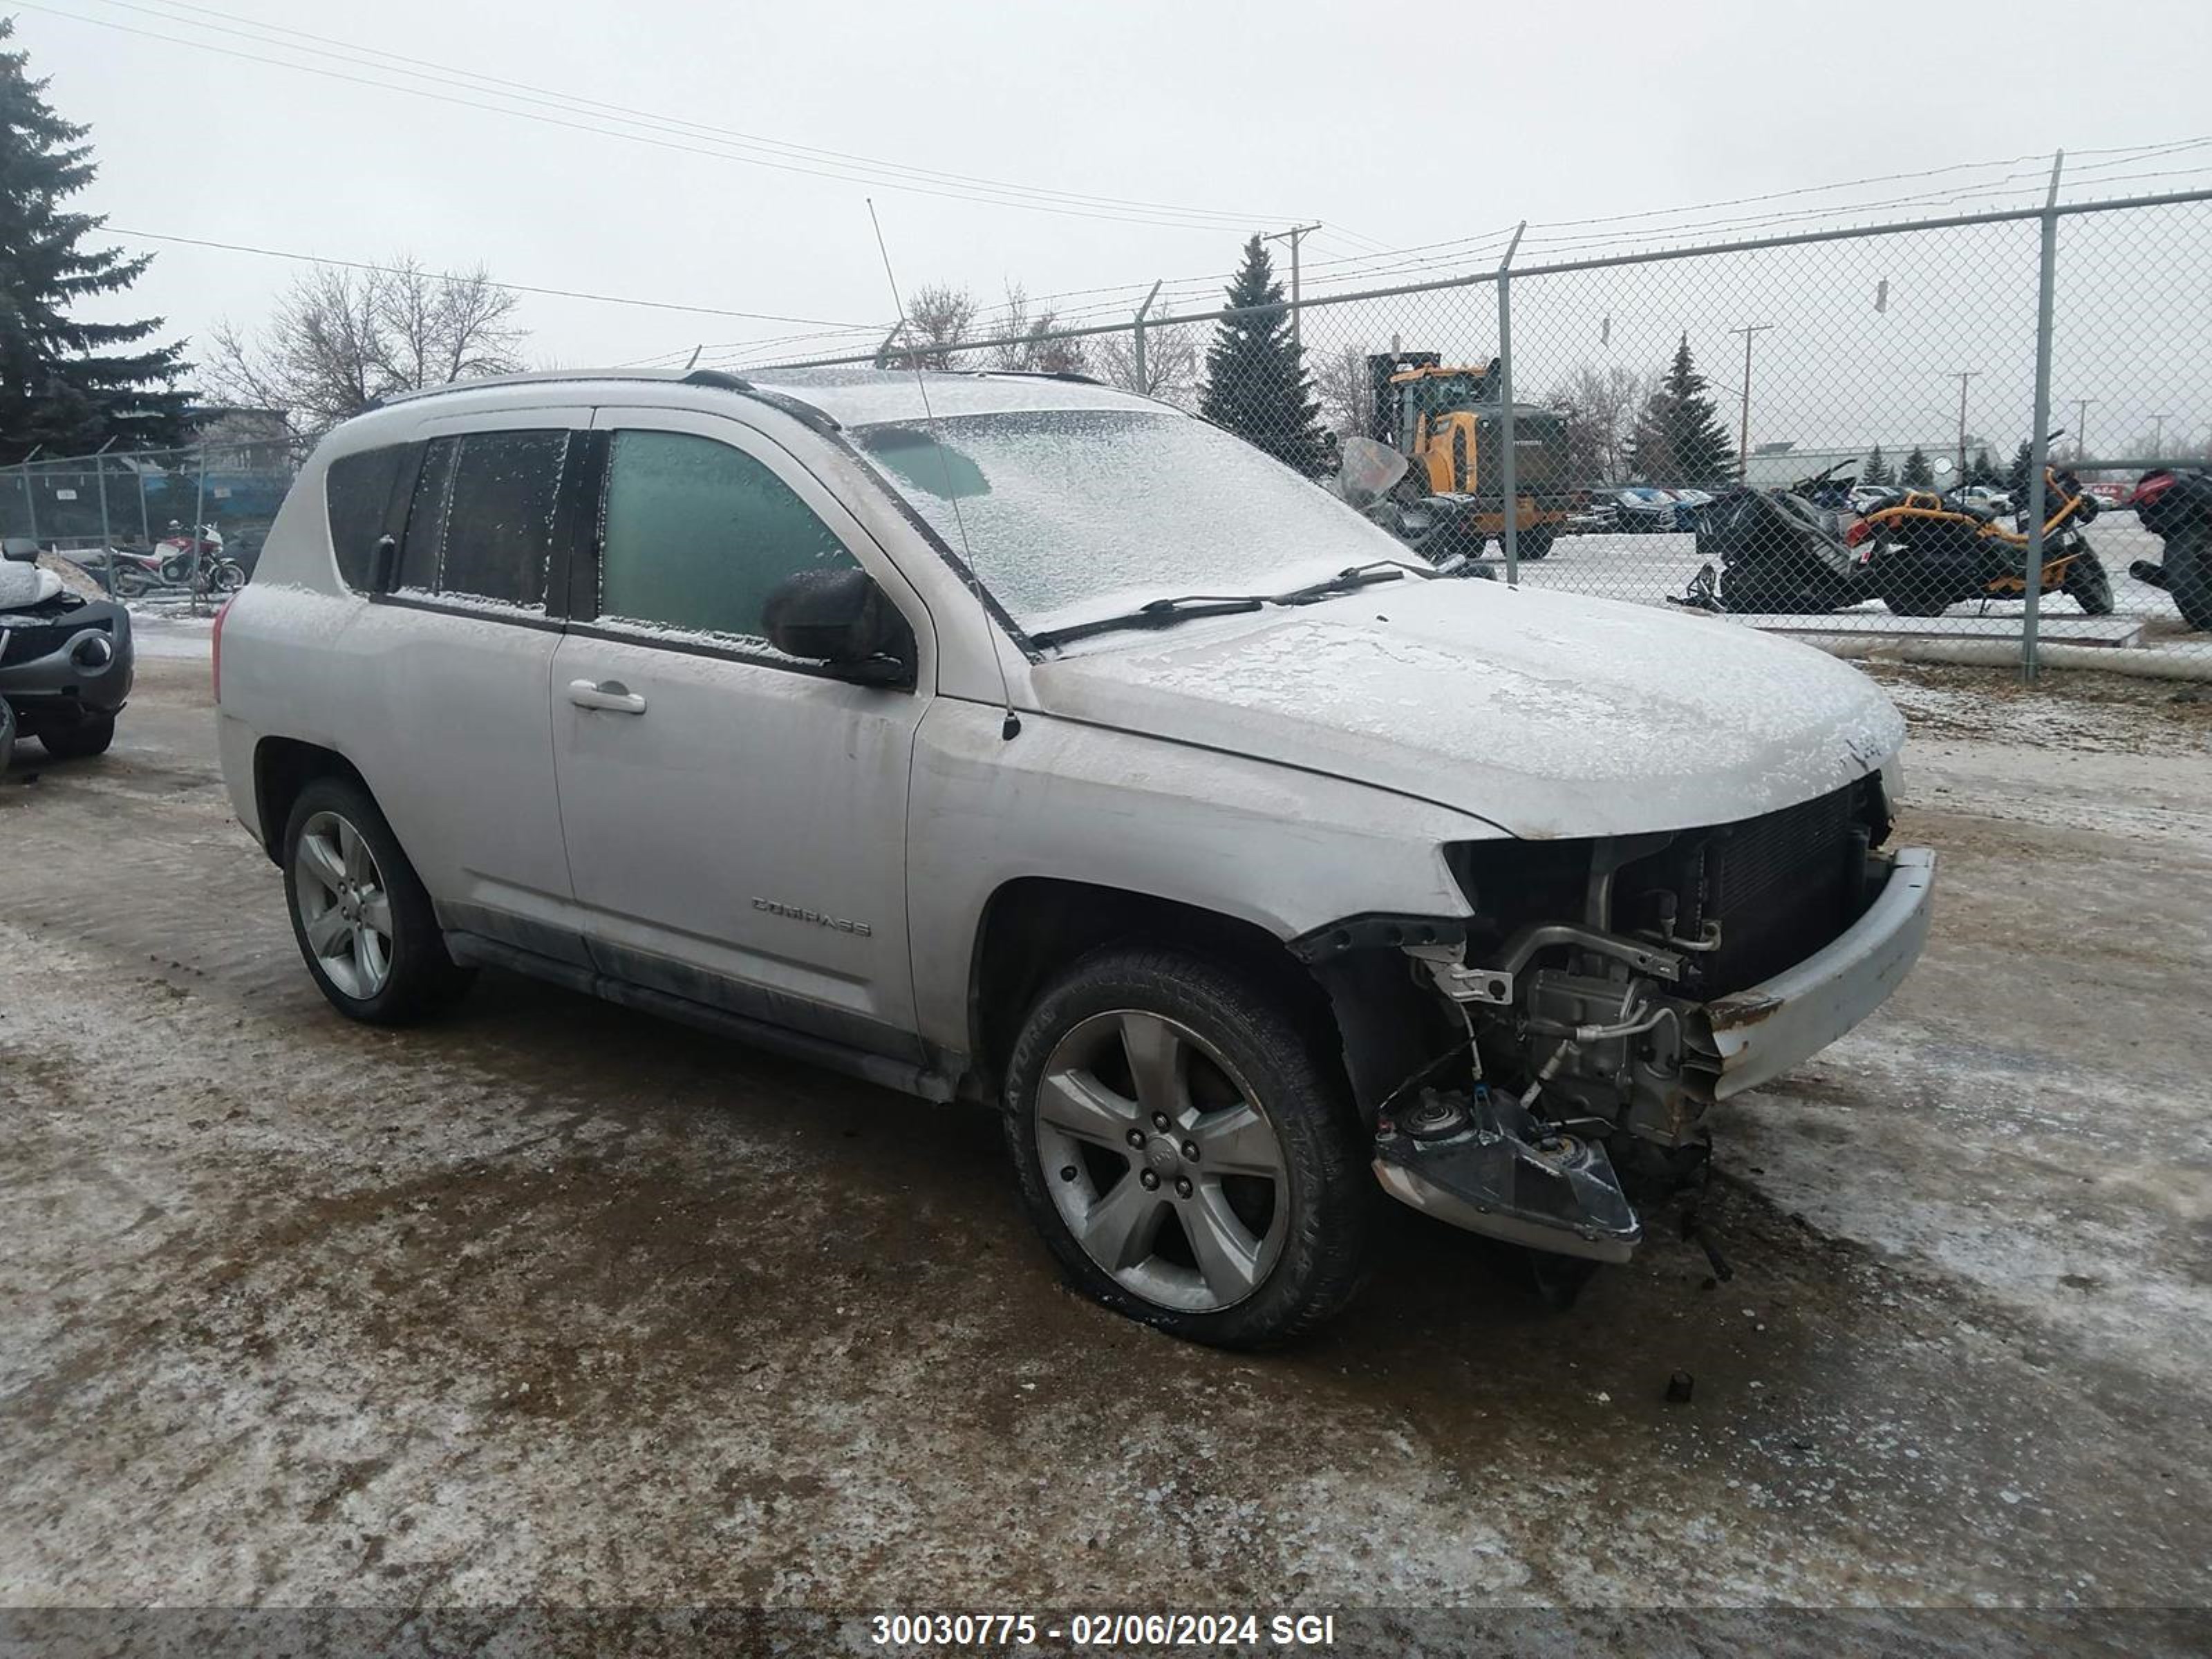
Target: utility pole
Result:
[[1743, 422], [2082, 427], [1964, 375], [2158, 437], [1293, 236]]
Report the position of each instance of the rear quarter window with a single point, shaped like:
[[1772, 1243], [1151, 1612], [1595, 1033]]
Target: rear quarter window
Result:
[[357, 493]]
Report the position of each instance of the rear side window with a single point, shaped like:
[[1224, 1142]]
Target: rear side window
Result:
[[484, 515], [696, 535], [357, 492]]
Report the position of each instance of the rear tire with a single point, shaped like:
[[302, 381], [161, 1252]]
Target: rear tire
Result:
[[2089, 585], [7, 735], [1261, 1236], [89, 736], [360, 913], [1534, 543]]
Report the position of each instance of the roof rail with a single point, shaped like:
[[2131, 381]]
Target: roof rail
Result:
[[715, 379], [719, 378]]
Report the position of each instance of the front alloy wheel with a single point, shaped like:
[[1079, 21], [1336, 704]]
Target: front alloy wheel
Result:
[[1167, 1172], [1186, 1143]]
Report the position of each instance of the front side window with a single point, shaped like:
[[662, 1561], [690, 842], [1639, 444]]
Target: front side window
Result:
[[696, 535], [484, 519]]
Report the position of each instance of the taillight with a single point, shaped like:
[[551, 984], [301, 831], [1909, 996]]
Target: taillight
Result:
[[1858, 533], [2146, 493], [221, 610]]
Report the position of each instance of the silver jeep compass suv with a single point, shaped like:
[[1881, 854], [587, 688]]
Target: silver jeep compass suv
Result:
[[1015, 739]]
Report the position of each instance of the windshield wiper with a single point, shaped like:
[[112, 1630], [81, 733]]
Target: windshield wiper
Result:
[[1345, 581], [1153, 613]]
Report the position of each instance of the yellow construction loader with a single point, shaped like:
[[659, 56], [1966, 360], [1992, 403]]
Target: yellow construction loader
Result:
[[1449, 424]]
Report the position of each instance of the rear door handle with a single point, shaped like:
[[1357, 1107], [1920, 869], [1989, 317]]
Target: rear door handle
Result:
[[614, 696]]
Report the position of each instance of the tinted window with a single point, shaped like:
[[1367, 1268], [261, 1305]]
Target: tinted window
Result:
[[696, 535], [484, 519], [426, 517], [357, 490]]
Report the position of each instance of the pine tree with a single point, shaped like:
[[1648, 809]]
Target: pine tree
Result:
[[1918, 474], [66, 385], [1877, 471], [1983, 470], [1255, 375], [2017, 474], [1679, 437]]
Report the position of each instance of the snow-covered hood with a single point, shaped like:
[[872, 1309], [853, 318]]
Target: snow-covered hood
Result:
[[1544, 713]]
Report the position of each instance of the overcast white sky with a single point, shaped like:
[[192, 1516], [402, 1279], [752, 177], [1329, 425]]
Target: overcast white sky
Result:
[[1392, 130]]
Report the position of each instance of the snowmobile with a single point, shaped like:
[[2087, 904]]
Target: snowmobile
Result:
[[65, 661], [1929, 552], [1777, 553], [2175, 505], [1380, 482]]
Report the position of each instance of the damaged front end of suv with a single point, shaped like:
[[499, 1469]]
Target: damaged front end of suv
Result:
[[1602, 994]]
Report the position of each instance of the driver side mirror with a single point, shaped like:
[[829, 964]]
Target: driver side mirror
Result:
[[20, 549], [842, 619]]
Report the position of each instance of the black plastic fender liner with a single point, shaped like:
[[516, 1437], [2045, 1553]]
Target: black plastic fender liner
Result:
[[1375, 931]]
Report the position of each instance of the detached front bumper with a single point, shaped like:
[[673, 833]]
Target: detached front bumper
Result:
[[1757, 1034]]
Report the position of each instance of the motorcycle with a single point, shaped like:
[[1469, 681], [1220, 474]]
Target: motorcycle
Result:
[[1929, 552], [1778, 552], [2175, 505], [193, 563]]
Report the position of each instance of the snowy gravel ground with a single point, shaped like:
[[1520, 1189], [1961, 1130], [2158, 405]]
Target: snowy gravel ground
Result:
[[555, 1302]]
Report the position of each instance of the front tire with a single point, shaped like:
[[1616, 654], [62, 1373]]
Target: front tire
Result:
[[90, 736], [1533, 544], [1190, 1157], [360, 913]]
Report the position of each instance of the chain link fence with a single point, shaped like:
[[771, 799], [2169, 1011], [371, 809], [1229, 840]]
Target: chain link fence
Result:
[[1920, 432], [125, 520]]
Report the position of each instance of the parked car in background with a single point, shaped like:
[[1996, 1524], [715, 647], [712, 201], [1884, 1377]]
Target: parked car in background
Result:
[[1642, 510], [65, 660], [1040, 744]]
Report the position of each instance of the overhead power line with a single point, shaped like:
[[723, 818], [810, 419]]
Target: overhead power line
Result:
[[714, 143], [447, 277]]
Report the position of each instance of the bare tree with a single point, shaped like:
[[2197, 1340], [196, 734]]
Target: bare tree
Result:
[[939, 319], [1028, 345], [341, 338], [1170, 372], [1602, 407], [1347, 389]]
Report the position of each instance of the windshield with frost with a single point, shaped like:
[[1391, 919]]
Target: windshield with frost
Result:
[[1067, 515]]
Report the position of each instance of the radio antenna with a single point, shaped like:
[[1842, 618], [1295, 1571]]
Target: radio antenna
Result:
[[1012, 724]]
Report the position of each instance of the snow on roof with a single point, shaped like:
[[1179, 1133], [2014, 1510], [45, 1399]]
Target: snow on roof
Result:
[[864, 397]]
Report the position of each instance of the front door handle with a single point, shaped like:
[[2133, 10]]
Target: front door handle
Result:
[[614, 696]]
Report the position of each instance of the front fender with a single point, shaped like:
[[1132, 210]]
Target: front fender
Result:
[[1281, 849]]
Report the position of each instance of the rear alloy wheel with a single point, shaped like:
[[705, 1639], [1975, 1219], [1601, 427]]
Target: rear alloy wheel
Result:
[[1187, 1157], [362, 919]]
